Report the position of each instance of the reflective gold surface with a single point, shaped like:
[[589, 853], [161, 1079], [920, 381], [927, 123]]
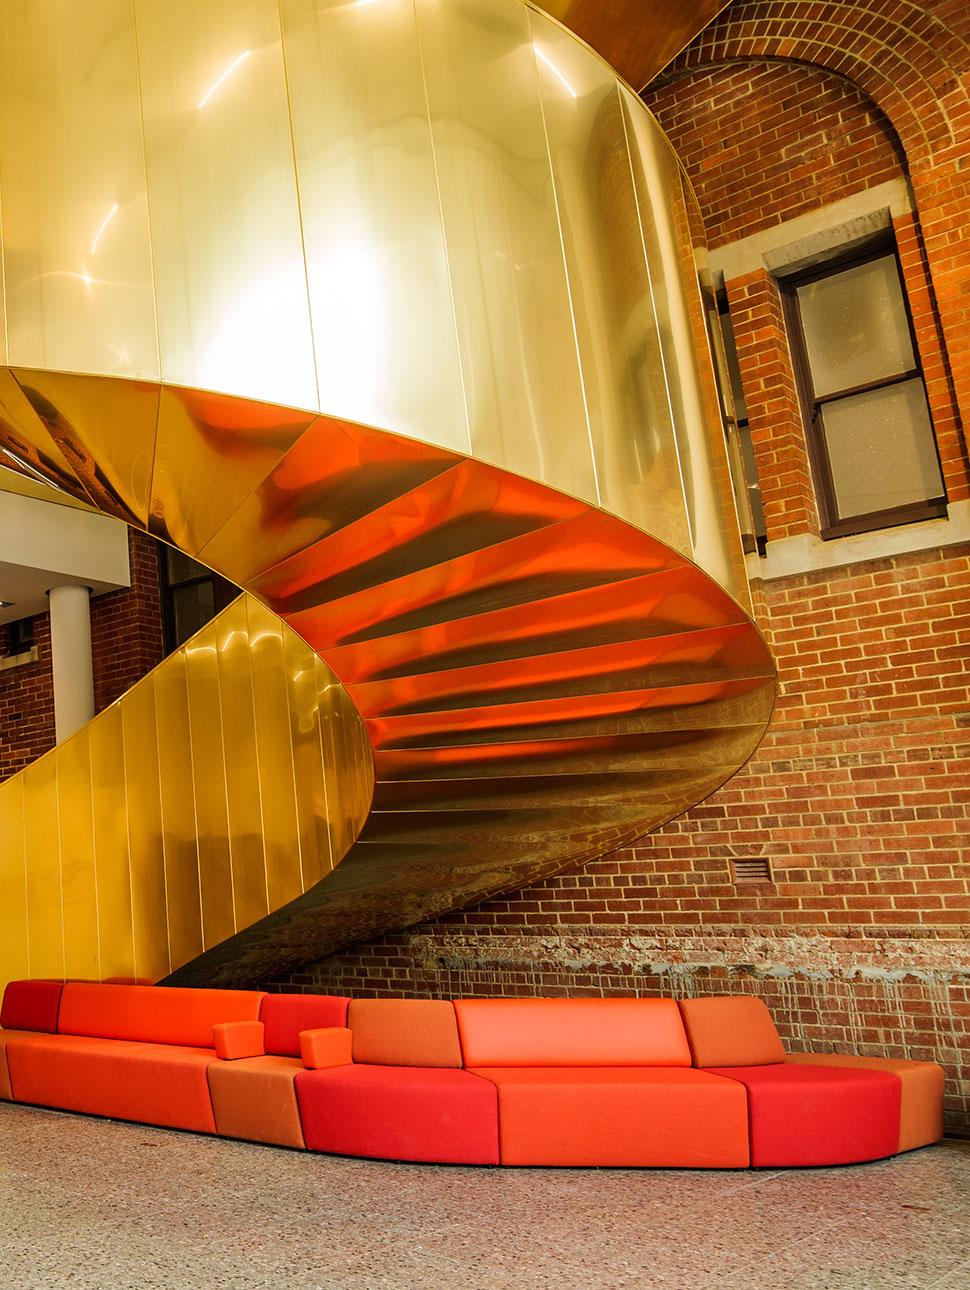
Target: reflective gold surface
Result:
[[170, 822], [485, 484]]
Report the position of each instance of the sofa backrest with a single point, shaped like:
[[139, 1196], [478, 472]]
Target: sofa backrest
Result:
[[404, 1032], [731, 1030], [153, 1014], [285, 1015], [571, 1032], [31, 1005]]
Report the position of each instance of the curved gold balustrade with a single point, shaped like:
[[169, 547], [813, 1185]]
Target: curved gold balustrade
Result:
[[237, 238]]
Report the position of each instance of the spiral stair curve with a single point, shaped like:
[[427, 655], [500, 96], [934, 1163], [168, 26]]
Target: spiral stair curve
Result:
[[447, 679]]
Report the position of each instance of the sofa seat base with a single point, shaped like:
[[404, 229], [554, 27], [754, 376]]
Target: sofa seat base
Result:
[[434, 1114], [813, 1115], [623, 1115], [921, 1092], [6, 1092], [255, 1099], [152, 1083]]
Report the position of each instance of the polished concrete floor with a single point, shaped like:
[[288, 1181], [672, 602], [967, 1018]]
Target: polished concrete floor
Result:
[[98, 1203]]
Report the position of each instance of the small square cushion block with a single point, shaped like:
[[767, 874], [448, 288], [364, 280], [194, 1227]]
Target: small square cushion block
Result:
[[404, 1032], [735, 1030], [152, 1083], [153, 1014], [255, 1099], [285, 1015], [331, 1046], [677, 1117], [921, 1088], [31, 1005], [235, 1039], [571, 1032], [810, 1115], [400, 1113]]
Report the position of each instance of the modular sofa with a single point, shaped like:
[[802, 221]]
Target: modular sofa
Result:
[[702, 1083]]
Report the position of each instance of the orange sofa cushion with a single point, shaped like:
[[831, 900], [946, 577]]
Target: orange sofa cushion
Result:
[[235, 1039], [647, 1116], [255, 1099], [31, 1005], [734, 1030], [153, 1014], [330, 1046], [6, 1092], [571, 1032], [152, 1083], [921, 1088], [404, 1032], [286, 1015]]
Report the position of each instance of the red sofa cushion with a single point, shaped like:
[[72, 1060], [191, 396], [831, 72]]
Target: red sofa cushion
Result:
[[153, 1014], [400, 1113], [646, 1116], [152, 1083], [571, 1032], [815, 1115], [731, 1030], [285, 1015], [31, 1005]]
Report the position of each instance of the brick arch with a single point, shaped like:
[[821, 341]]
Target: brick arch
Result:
[[910, 62]]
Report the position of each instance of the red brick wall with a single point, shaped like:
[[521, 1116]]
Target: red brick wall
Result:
[[860, 795], [126, 642]]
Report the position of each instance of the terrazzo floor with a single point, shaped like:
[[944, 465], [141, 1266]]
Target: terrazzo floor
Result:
[[95, 1203]]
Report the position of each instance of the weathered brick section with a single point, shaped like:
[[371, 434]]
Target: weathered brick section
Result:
[[126, 641], [860, 796]]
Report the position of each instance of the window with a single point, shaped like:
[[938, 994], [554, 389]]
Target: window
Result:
[[191, 596], [20, 636], [734, 414], [870, 436]]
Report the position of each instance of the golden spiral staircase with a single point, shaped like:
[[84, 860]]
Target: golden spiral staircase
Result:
[[480, 642]]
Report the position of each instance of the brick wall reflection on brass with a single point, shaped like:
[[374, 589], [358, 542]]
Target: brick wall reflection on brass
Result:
[[389, 314]]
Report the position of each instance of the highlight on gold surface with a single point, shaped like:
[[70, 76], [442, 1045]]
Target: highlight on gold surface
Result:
[[396, 325]]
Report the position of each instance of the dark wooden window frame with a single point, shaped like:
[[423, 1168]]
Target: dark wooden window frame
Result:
[[223, 593], [832, 525]]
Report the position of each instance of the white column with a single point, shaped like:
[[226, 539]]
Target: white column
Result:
[[71, 656]]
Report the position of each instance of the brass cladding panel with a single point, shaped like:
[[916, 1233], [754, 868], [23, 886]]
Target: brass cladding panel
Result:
[[488, 255], [137, 844]]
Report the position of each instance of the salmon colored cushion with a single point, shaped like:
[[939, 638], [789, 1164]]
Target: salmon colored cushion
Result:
[[153, 1014], [400, 1113], [647, 1116], [31, 1005], [732, 1030], [331, 1046], [404, 1032], [285, 1015], [921, 1092], [255, 1099], [810, 1115], [571, 1032], [235, 1039], [152, 1083]]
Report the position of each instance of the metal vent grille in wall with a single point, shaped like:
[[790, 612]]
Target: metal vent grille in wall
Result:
[[751, 869]]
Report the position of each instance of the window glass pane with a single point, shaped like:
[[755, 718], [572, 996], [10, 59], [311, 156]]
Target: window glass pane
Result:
[[855, 325], [733, 366], [881, 449], [193, 607], [182, 567]]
